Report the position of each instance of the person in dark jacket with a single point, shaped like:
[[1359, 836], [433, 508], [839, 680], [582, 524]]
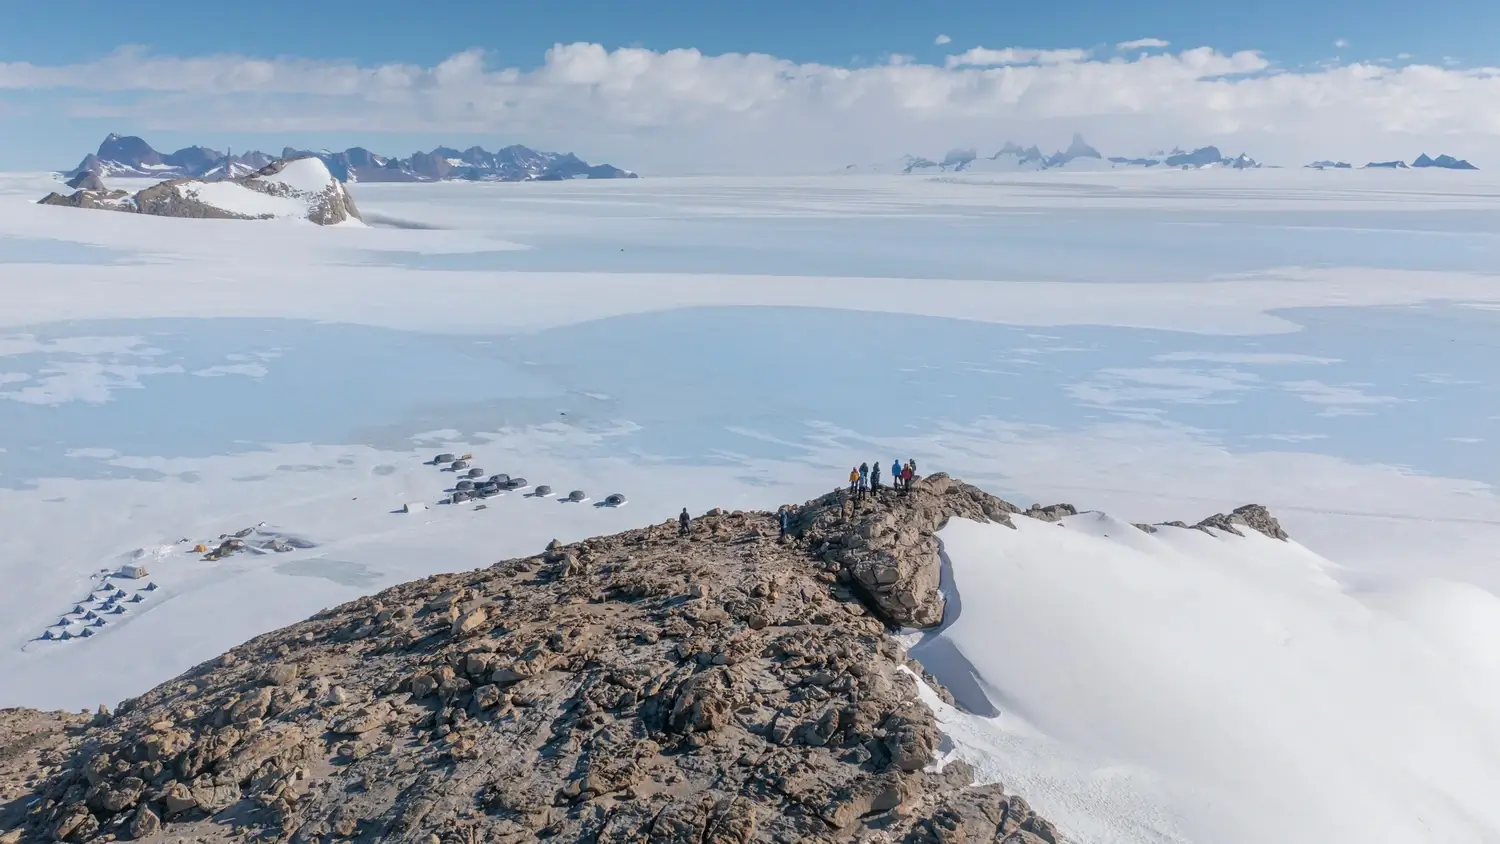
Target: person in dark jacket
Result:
[[864, 479], [785, 521], [875, 478], [684, 523]]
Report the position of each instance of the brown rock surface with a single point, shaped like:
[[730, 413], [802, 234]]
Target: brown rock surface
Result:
[[642, 687]]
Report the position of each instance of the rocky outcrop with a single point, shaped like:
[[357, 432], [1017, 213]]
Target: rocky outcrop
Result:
[[328, 204], [887, 548], [168, 200], [99, 200], [1252, 516], [726, 686], [723, 687], [88, 180]]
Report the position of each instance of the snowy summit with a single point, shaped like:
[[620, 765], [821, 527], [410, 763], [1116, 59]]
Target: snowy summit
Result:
[[296, 189]]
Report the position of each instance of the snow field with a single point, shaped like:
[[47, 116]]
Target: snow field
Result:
[[238, 199], [1231, 686]]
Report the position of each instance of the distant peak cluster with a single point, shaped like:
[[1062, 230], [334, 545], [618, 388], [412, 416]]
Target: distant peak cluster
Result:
[[1442, 162], [1079, 155], [130, 156]]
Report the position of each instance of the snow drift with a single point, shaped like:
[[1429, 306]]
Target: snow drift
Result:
[[1193, 685]]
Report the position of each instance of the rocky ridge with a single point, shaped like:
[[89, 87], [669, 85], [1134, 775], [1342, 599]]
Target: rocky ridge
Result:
[[726, 686], [130, 156], [330, 205]]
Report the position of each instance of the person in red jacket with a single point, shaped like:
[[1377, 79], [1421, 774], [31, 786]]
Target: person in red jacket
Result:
[[907, 474]]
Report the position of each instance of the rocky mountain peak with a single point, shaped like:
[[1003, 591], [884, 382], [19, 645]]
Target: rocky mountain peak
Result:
[[730, 685], [128, 149], [87, 180]]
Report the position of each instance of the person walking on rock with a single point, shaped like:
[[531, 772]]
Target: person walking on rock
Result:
[[684, 523], [785, 521]]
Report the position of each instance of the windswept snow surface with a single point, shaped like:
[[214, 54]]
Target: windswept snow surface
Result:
[[1182, 686], [238, 199]]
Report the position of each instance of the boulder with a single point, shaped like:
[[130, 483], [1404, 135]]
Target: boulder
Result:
[[470, 622]]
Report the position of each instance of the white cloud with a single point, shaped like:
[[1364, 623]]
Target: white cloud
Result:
[[1142, 44], [982, 57], [1341, 43], [941, 40], [684, 110]]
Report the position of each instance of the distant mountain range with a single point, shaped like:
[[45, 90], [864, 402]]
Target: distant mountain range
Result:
[[1442, 162], [127, 155], [1079, 155]]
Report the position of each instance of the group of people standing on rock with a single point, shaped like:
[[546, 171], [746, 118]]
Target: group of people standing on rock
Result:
[[865, 480]]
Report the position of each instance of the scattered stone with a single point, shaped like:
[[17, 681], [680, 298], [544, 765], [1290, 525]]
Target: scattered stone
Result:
[[1051, 512], [145, 824], [281, 674], [470, 622]]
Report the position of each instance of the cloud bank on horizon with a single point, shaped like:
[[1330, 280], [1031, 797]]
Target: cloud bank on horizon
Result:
[[681, 109]]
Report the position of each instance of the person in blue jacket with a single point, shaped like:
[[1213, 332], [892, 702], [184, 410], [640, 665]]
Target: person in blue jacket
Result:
[[785, 519], [896, 473]]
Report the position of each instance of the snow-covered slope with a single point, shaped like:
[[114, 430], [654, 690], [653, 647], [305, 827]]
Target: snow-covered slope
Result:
[[1192, 686]]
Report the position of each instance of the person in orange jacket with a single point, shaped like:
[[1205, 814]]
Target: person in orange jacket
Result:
[[853, 482]]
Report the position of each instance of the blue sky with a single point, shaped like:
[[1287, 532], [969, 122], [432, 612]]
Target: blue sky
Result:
[[621, 116], [834, 31]]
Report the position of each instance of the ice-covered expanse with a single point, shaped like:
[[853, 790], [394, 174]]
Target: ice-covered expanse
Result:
[[1154, 345], [1182, 686]]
